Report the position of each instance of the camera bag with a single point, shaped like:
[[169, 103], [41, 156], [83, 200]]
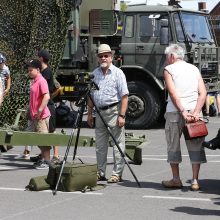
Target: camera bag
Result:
[[195, 130], [75, 177]]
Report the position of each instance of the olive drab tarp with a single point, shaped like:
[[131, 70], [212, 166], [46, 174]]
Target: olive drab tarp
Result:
[[25, 27]]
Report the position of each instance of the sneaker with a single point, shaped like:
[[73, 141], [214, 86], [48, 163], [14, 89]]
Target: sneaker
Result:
[[175, 184], [42, 165], [101, 177], [55, 160], [23, 156], [210, 145], [3, 148], [206, 115], [35, 158], [214, 143]]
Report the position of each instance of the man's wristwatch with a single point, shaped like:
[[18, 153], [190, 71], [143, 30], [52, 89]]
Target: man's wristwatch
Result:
[[122, 116]]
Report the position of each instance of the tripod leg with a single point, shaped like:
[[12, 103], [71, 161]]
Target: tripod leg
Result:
[[78, 117], [114, 140], [59, 178], [76, 144], [81, 111]]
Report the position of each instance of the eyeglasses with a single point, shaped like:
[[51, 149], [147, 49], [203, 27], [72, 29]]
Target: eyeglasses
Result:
[[105, 56]]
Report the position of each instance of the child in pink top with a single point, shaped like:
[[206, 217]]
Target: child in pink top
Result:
[[38, 89], [39, 112]]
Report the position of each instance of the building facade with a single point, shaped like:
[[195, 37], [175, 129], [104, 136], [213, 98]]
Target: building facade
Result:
[[214, 17]]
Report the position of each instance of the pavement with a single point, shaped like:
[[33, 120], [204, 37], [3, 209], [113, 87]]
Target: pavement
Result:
[[124, 201]]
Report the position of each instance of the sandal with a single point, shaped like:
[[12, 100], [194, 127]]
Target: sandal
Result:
[[114, 179]]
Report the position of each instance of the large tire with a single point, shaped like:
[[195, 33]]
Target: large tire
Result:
[[143, 106]]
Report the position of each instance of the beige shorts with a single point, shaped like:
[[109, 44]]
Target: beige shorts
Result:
[[173, 131], [41, 126]]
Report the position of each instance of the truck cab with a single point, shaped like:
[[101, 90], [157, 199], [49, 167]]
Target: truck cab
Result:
[[147, 30], [139, 51]]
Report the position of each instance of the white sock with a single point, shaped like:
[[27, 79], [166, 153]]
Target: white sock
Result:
[[194, 181]]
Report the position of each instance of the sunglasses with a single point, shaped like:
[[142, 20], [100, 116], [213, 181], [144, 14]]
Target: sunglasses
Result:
[[105, 56]]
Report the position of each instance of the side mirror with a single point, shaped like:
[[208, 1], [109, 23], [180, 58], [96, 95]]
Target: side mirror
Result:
[[164, 32]]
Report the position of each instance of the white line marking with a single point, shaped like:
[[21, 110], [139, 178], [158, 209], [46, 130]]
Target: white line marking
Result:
[[48, 191], [12, 189], [164, 159], [7, 154], [7, 168], [184, 155], [70, 156], [143, 155], [153, 159], [181, 198]]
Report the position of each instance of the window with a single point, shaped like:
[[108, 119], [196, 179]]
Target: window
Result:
[[150, 25], [179, 30], [218, 25], [129, 26]]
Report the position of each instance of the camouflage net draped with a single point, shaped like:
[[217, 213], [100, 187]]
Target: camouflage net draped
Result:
[[25, 27]]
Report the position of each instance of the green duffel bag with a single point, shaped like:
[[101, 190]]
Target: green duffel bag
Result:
[[38, 184], [51, 176], [75, 177]]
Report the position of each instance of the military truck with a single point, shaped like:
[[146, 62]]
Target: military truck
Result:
[[139, 52]]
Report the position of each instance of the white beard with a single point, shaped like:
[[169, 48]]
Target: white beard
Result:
[[103, 65]]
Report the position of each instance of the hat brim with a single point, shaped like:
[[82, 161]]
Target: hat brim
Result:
[[105, 51]]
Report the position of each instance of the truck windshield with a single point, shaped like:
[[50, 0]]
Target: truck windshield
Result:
[[197, 28]]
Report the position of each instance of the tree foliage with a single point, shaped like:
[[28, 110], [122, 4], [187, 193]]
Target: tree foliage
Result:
[[25, 27]]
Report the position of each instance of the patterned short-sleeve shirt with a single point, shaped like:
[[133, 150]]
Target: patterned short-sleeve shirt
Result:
[[4, 74], [112, 86]]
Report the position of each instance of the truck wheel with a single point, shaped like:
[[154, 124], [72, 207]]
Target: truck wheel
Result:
[[143, 106]]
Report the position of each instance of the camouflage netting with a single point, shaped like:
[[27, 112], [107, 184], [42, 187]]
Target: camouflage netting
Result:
[[25, 27]]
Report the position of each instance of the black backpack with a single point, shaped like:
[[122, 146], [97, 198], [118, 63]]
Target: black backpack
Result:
[[212, 110], [64, 116], [62, 110]]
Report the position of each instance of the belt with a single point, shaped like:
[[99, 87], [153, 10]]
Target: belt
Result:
[[108, 106]]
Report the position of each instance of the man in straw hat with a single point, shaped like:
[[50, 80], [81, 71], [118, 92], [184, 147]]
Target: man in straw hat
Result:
[[112, 101]]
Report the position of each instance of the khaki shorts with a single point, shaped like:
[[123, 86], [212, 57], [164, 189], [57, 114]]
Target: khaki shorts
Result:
[[41, 126], [173, 131]]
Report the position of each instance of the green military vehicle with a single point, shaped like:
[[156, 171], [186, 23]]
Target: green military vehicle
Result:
[[139, 51]]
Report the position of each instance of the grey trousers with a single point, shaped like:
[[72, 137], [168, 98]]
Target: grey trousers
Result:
[[173, 130], [102, 141]]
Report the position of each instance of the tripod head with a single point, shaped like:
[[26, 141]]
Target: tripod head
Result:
[[84, 84]]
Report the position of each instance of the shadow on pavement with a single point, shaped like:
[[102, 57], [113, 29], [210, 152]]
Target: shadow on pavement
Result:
[[210, 186], [16, 166], [196, 211], [150, 185]]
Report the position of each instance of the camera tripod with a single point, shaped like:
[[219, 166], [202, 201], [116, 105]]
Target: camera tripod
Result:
[[77, 124]]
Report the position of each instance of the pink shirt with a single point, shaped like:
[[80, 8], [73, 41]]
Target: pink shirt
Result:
[[38, 88]]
